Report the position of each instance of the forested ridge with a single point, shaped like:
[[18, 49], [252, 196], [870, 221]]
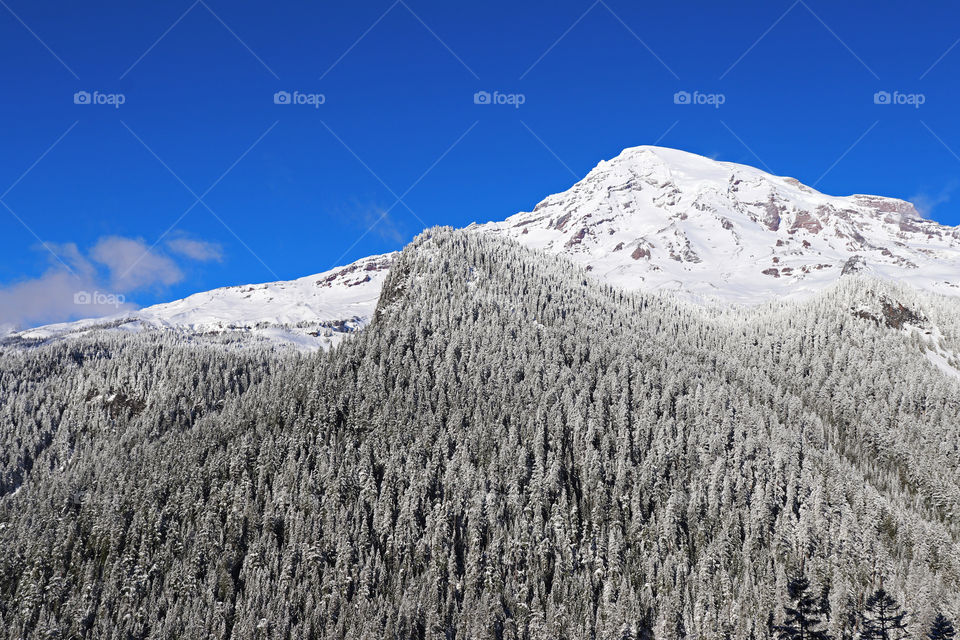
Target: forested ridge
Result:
[[510, 450]]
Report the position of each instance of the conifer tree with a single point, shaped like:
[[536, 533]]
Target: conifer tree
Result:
[[803, 617], [883, 618], [941, 629]]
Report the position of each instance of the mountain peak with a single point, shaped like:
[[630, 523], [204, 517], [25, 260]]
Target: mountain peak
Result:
[[695, 170], [659, 218]]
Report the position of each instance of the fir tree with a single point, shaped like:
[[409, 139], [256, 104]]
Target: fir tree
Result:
[[803, 618], [882, 618], [941, 629]]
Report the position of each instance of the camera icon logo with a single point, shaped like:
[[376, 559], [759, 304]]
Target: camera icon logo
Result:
[[481, 97], [681, 97], [881, 97], [281, 97], [81, 297], [81, 97]]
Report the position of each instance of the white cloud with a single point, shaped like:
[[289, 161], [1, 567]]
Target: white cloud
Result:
[[96, 284], [133, 265], [196, 249], [55, 296]]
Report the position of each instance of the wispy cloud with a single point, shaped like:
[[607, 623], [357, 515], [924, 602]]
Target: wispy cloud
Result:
[[196, 249], [926, 202], [387, 225]]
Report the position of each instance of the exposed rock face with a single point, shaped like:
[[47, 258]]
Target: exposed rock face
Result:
[[116, 403], [356, 273], [577, 238], [897, 315], [562, 221], [806, 221], [772, 212], [854, 265], [640, 252], [893, 315]]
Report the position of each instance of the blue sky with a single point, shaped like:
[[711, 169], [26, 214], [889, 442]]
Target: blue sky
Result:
[[199, 179]]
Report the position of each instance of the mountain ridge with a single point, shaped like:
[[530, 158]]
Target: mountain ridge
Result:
[[651, 218]]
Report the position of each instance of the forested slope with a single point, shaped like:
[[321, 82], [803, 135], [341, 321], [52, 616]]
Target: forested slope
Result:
[[510, 450]]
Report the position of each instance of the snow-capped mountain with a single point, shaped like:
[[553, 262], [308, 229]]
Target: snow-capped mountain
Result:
[[656, 218], [310, 312], [652, 218]]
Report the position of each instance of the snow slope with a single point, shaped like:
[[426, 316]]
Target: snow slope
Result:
[[652, 218]]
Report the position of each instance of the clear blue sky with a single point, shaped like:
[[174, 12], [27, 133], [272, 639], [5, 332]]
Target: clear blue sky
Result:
[[399, 120]]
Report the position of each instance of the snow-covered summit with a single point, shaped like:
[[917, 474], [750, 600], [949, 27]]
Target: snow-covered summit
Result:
[[657, 218]]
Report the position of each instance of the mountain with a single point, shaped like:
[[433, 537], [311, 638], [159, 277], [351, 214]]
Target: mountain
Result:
[[650, 219], [511, 449], [661, 219], [316, 311]]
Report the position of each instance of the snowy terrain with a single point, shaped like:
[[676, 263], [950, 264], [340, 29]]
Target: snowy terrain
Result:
[[652, 218]]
